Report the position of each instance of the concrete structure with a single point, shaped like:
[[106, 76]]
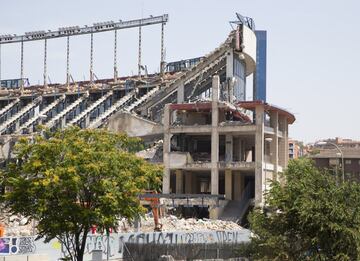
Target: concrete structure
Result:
[[213, 147], [214, 141]]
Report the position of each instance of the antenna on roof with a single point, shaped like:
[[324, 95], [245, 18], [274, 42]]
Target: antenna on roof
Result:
[[244, 20]]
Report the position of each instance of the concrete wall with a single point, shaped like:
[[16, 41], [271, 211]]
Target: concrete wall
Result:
[[133, 125], [249, 41], [145, 252], [179, 159], [27, 249], [25, 258]]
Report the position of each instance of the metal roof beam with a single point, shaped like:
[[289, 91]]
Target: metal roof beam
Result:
[[77, 30]]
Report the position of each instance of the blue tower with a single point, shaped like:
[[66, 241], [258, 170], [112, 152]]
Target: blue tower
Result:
[[259, 91]]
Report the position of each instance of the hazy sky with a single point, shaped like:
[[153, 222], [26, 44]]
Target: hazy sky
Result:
[[313, 48]]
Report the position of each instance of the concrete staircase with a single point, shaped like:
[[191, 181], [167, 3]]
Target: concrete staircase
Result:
[[235, 210]]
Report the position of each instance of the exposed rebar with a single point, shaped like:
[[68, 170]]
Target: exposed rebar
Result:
[[92, 58], [68, 61], [45, 63], [162, 58], [139, 57], [115, 57], [22, 67]]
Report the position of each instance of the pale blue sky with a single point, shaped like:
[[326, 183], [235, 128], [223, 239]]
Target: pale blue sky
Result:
[[313, 48]]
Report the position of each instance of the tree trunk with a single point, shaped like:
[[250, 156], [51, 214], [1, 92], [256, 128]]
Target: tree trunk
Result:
[[81, 245]]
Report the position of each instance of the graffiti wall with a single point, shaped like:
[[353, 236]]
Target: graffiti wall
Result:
[[17, 245], [115, 244]]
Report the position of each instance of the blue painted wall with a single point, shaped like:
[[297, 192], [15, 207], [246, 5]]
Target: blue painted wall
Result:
[[259, 92]]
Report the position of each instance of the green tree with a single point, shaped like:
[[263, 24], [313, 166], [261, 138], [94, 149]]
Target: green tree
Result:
[[309, 217], [73, 179]]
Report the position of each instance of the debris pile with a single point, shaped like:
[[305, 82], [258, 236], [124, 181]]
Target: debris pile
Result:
[[172, 223], [153, 153], [16, 225]]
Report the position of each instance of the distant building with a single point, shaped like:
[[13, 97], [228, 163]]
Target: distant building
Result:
[[296, 149], [326, 156], [331, 159]]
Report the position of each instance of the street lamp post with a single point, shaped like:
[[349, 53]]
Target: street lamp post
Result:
[[341, 153]]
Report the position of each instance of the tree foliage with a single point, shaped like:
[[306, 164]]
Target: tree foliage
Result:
[[310, 217], [73, 179]]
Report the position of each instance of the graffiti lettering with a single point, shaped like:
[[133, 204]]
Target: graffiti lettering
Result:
[[26, 245], [117, 245], [17, 245]]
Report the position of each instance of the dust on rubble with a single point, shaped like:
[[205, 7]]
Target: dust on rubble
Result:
[[172, 223]]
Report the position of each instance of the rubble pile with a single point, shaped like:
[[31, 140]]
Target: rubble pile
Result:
[[172, 223], [153, 153], [16, 226]]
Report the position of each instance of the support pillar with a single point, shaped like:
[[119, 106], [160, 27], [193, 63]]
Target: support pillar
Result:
[[87, 120], [189, 183], [274, 145], [228, 184], [180, 93], [63, 122], [239, 183], [166, 150], [259, 156], [283, 143], [179, 181], [228, 159], [215, 142], [215, 137], [228, 148]]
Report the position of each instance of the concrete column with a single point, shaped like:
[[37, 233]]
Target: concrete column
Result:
[[189, 183], [17, 125], [166, 150], [240, 149], [87, 120], [180, 93], [228, 184], [228, 148], [283, 143], [215, 143], [215, 137], [238, 185], [286, 138], [274, 145], [230, 74], [179, 181], [230, 64], [259, 156], [63, 122]]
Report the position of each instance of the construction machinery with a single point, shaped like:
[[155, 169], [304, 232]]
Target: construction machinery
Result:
[[154, 204]]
